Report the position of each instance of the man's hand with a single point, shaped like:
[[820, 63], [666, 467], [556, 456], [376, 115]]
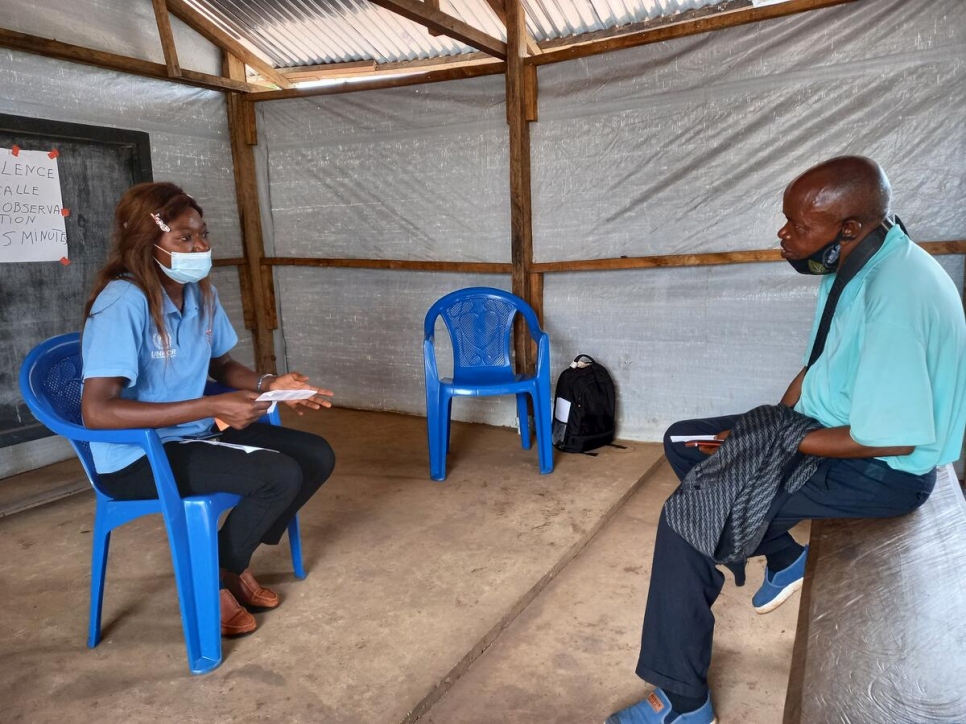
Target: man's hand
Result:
[[298, 381]]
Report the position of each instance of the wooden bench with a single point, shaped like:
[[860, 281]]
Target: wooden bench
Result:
[[881, 633]]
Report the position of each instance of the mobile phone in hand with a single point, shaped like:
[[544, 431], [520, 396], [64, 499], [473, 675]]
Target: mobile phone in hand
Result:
[[703, 443]]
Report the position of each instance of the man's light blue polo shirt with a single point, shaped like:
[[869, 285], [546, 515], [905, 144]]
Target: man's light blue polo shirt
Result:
[[894, 365], [121, 340]]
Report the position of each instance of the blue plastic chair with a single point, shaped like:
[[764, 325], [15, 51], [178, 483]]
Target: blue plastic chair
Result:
[[480, 324], [50, 382]]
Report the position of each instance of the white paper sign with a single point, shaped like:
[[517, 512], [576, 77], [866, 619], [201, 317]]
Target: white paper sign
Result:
[[31, 223]]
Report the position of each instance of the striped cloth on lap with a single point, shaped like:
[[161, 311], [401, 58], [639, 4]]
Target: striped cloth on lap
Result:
[[734, 488]]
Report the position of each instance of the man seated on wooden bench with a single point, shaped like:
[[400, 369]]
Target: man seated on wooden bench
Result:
[[859, 432]]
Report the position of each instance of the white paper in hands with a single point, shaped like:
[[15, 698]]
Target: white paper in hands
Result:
[[275, 395]]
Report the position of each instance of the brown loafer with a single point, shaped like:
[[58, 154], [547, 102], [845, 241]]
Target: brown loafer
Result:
[[235, 620], [249, 592]]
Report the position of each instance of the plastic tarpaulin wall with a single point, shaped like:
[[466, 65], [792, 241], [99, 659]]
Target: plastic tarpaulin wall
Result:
[[683, 146], [687, 146], [187, 126], [415, 174]]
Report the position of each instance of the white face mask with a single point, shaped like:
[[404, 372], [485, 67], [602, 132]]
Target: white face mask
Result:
[[187, 266]]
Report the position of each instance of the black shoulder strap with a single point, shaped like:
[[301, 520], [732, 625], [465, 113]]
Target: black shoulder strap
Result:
[[849, 268]]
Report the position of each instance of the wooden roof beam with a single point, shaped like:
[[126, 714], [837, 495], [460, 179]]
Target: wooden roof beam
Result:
[[213, 34], [119, 63], [717, 21], [494, 67], [424, 14], [433, 5], [499, 9], [357, 68], [167, 38]]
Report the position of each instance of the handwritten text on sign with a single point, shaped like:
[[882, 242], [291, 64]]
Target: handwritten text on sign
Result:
[[31, 218]]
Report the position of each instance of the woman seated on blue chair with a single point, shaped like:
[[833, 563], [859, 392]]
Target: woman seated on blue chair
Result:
[[154, 332]]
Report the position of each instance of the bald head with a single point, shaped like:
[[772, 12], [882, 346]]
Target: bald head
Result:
[[846, 187]]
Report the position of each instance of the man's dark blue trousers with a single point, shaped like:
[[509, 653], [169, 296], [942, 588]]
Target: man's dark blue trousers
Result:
[[678, 622]]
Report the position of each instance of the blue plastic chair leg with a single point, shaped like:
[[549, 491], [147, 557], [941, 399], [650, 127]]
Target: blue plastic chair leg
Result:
[[435, 426], [101, 547], [195, 558], [448, 425], [523, 414], [295, 543], [543, 421]]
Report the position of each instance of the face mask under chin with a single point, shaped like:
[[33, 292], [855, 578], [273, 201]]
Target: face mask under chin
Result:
[[824, 261]]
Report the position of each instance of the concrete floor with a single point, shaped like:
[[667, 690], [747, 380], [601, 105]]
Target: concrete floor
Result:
[[498, 596]]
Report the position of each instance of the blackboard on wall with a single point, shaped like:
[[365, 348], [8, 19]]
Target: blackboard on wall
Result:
[[42, 299]]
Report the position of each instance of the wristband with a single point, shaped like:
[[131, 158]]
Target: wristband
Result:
[[258, 387]]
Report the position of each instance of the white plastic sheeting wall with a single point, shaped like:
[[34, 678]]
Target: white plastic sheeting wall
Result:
[[416, 174], [682, 146], [686, 147], [187, 127]]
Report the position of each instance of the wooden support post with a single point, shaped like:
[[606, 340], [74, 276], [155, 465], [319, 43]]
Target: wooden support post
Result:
[[258, 293], [536, 295], [499, 9], [521, 227]]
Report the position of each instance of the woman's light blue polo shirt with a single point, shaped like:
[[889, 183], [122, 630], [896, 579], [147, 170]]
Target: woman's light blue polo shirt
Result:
[[894, 365], [121, 340]]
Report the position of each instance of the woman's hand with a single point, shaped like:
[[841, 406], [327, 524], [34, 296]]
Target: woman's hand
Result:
[[298, 381], [238, 409]]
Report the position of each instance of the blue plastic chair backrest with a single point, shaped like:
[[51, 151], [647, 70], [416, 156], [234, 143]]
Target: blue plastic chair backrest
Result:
[[54, 374], [480, 324]]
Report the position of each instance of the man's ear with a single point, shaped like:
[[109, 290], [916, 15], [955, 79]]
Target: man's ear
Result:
[[851, 230]]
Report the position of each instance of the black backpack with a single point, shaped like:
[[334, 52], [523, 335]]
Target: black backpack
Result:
[[584, 407]]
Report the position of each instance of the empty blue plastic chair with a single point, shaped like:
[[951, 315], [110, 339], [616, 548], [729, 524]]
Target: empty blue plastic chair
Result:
[[50, 382], [480, 324]]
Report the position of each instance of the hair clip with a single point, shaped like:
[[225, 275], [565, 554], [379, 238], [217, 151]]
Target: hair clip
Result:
[[163, 226]]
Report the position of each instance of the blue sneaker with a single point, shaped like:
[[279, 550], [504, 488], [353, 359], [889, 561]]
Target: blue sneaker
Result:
[[656, 709], [778, 587]]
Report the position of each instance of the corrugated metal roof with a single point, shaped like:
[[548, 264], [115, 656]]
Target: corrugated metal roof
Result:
[[292, 33], [551, 19]]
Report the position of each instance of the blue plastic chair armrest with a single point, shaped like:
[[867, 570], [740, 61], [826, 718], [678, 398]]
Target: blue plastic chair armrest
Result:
[[429, 359], [129, 436], [145, 438], [543, 355]]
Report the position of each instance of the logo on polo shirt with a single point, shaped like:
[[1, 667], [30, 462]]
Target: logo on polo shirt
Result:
[[159, 352]]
